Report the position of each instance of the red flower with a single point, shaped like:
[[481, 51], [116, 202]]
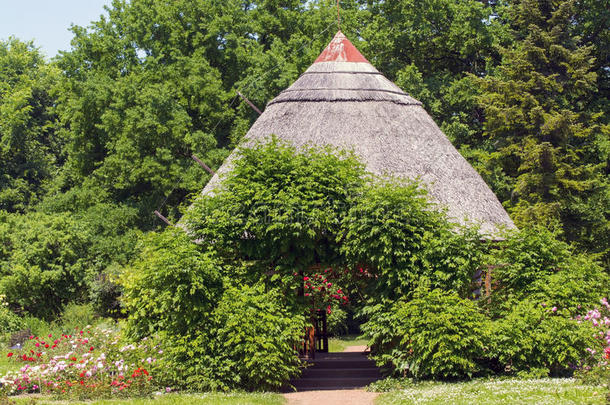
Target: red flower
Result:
[[47, 345], [9, 355], [91, 349], [607, 352], [305, 278]]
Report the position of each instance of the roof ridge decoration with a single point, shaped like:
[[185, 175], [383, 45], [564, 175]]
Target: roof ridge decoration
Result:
[[341, 49]]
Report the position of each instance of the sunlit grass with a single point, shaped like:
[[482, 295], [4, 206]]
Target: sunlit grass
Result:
[[7, 364], [338, 344], [171, 399], [483, 392]]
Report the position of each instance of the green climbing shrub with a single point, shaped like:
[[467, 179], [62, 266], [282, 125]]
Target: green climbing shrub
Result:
[[436, 334], [172, 286]]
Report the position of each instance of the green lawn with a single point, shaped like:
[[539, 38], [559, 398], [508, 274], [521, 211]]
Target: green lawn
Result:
[[339, 344], [483, 392], [170, 399]]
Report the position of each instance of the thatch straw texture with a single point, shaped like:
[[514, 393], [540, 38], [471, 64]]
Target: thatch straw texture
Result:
[[351, 105]]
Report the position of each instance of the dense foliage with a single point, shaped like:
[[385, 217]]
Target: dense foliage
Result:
[[532, 323], [218, 337], [434, 335], [171, 286], [94, 140]]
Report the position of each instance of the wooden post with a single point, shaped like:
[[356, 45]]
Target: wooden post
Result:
[[162, 218], [249, 103], [488, 281], [196, 159]]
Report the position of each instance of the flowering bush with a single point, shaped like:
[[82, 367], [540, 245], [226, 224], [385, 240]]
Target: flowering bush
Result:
[[89, 363], [322, 290], [598, 369]]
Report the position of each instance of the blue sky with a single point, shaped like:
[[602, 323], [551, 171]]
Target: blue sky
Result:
[[47, 21]]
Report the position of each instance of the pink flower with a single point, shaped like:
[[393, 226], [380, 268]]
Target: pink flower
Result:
[[554, 309], [305, 278]]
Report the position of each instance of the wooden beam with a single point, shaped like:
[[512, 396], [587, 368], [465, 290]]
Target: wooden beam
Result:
[[196, 159], [249, 103], [162, 218]]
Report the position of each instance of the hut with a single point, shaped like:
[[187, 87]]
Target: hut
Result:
[[343, 101]]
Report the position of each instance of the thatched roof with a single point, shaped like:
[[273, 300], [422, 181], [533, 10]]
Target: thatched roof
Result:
[[343, 101]]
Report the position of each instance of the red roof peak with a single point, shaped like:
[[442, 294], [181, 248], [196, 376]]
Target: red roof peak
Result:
[[341, 49]]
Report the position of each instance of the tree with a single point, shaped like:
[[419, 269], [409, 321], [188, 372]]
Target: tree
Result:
[[544, 135], [30, 148]]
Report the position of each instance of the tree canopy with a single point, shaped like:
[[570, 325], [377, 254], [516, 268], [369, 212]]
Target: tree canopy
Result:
[[102, 135]]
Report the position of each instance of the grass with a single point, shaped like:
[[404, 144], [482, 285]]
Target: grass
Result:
[[169, 399], [6, 364], [338, 344], [486, 392]]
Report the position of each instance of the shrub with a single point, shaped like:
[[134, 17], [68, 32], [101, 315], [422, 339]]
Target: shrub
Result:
[[393, 231], [171, 286], [105, 294], [288, 202], [257, 339], [597, 372], [435, 335], [75, 316], [532, 336], [535, 265], [48, 265], [9, 322], [336, 323], [250, 345]]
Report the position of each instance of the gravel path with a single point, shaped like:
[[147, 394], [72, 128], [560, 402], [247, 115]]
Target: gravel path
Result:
[[339, 397], [334, 397]]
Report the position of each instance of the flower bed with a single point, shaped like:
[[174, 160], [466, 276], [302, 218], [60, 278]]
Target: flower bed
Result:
[[89, 363]]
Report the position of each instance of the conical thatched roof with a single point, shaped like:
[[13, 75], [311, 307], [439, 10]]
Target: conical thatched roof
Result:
[[343, 101]]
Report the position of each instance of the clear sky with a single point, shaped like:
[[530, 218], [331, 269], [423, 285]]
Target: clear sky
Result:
[[47, 21]]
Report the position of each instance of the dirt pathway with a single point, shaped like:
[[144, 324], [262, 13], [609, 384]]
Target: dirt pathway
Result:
[[333, 397]]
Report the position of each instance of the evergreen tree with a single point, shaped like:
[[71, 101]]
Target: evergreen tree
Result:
[[545, 136]]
